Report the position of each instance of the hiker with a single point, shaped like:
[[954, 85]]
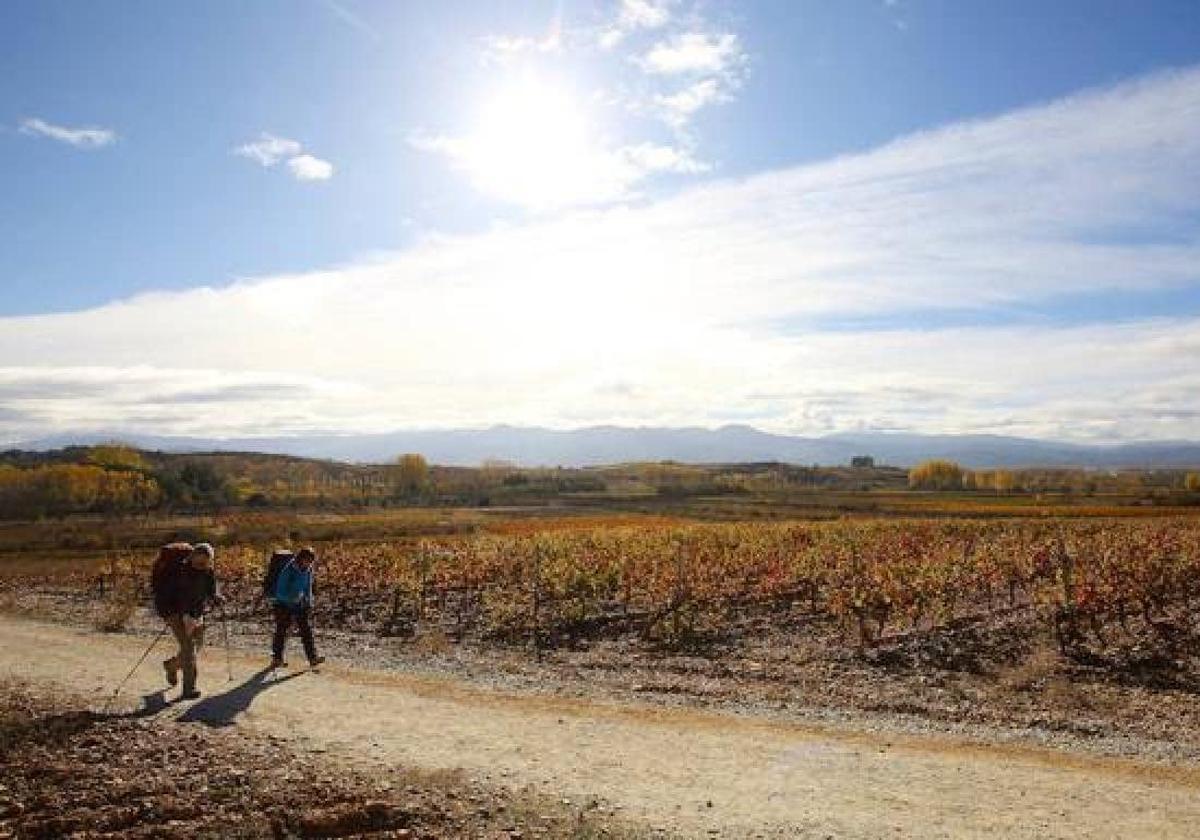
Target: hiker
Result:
[[184, 584], [292, 601]]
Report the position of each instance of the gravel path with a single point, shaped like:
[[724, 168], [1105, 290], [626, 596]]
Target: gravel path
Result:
[[699, 773]]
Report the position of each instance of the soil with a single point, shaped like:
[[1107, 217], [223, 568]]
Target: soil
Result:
[[690, 771], [71, 771]]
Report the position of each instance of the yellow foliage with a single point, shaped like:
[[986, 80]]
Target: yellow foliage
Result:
[[74, 488], [1000, 481], [410, 474], [937, 474], [116, 456]]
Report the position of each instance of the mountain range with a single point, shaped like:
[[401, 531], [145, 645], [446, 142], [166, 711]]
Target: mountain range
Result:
[[595, 445]]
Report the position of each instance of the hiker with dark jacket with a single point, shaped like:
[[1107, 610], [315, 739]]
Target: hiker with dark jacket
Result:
[[292, 601], [184, 584]]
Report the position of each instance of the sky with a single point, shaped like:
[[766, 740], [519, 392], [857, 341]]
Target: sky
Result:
[[288, 216]]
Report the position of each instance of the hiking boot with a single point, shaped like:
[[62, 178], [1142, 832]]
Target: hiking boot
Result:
[[315, 661], [189, 695], [171, 667], [277, 662]]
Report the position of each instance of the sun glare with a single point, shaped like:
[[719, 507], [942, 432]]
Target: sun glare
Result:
[[533, 145]]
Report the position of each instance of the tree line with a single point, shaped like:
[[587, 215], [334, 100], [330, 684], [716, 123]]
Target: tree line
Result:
[[941, 474], [116, 479]]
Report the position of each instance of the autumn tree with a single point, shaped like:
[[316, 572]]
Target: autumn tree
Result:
[[1192, 482], [1000, 481], [63, 489], [410, 475], [117, 456], [936, 474]]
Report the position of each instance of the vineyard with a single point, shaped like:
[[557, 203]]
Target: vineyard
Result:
[[1107, 581]]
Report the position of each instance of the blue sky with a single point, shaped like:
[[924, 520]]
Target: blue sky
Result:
[[802, 210]]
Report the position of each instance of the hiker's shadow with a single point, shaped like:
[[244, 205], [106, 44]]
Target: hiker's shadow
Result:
[[152, 704], [222, 709]]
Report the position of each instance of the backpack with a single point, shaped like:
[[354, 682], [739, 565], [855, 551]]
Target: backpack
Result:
[[280, 558], [164, 575]]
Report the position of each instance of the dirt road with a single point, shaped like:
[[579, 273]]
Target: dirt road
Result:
[[701, 774]]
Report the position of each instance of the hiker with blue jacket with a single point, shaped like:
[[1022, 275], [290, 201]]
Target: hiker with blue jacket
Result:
[[292, 599]]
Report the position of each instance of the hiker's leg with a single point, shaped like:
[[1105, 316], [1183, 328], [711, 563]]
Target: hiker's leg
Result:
[[306, 634], [186, 657], [195, 630], [283, 621], [175, 624], [171, 665]]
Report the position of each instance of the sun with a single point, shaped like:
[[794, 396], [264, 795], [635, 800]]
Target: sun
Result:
[[533, 144]]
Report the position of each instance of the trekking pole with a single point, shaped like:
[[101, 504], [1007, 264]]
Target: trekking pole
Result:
[[132, 670], [228, 649]]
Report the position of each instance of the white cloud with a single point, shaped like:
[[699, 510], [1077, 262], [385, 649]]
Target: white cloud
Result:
[[147, 398], [650, 157], [709, 305], [269, 151], [309, 168], [643, 14], [713, 65], [501, 50], [609, 38], [633, 15], [678, 108], [80, 138], [694, 52]]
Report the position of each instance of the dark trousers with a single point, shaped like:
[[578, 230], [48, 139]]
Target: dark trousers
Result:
[[284, 616]]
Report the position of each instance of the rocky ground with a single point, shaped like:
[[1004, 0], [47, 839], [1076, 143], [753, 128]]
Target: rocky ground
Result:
[[68, 771]]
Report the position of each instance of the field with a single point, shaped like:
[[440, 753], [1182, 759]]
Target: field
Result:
[[552, 581], [1108, 598], [682, 584], [1074, 628]]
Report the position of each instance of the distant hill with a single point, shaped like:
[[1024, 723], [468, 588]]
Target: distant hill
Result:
[[530, 446]]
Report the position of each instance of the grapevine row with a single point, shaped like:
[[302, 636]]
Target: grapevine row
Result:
[[874, 578]]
